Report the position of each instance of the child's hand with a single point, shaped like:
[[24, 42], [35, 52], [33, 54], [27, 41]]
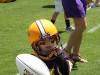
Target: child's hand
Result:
[[57, 51]]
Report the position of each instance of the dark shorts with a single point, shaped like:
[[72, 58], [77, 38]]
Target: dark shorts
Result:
[[74, 8]]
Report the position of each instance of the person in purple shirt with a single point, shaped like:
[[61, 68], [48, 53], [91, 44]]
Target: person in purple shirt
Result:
[[76, 9]]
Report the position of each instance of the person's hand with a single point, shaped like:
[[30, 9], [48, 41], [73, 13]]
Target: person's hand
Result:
[[89, 1], [57, 51]]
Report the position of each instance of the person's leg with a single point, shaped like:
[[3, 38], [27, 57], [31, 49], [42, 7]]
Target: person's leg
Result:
[[67, 22], [76, 37], [53, 19], [78, 13], [58, 9], [95, 4], [80, 26], [97, 1]]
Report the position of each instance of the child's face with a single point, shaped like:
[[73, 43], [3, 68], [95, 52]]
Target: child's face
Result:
[[46, 44]]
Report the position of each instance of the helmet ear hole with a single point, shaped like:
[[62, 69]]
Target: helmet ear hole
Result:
[[35, 46], [57, 38]]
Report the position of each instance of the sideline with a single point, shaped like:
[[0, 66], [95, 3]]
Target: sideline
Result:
[[18, 74], [94, 29], [64, 45]]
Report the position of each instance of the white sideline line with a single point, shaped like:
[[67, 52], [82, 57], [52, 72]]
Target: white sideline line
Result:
[[64, 45], [94, 29], [18, 74]]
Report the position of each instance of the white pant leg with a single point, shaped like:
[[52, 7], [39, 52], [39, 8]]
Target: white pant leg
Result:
[[58, 6]]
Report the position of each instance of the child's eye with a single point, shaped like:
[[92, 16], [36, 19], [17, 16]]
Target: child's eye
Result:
[[42, 43], [52, 41]]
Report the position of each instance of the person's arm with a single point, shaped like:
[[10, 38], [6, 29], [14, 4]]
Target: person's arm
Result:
[[63, 64]]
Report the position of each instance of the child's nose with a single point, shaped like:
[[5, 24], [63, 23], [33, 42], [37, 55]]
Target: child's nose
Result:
[[48, 42]]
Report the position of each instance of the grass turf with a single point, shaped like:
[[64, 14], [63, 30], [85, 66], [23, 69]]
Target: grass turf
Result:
[[15, 18]]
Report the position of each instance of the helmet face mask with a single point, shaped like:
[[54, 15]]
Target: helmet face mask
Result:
[[45, 36], [56, 42], [40, 30]]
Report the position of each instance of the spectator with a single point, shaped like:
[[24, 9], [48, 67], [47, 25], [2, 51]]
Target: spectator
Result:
[[59, 9], [75, 9]]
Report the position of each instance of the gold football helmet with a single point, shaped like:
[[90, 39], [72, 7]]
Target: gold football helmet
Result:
[[40, 30]]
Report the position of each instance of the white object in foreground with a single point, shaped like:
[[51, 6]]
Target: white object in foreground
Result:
[[28, 64]]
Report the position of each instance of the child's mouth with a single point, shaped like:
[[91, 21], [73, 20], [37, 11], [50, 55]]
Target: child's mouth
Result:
[[48, 47]]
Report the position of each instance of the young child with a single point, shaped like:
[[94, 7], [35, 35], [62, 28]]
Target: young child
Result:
[[47, 46]]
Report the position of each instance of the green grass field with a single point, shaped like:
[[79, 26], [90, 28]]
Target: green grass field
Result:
[[15, 18]]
